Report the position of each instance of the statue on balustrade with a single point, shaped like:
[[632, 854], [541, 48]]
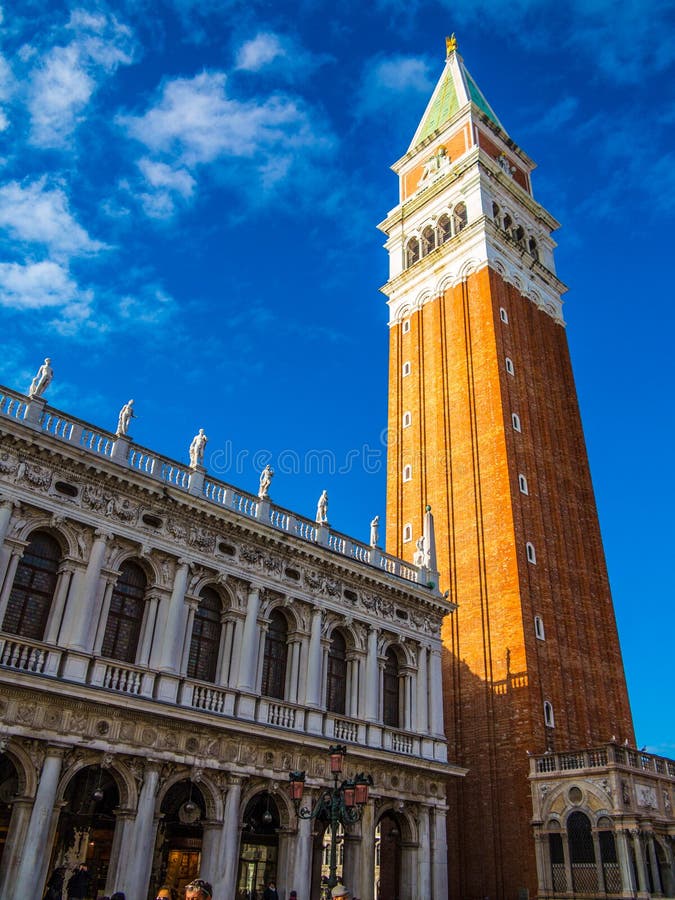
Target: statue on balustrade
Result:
[[197, 449], [42, 380], [421, 552], [126, 415], [375, 531], [266, 477], [322, 509]]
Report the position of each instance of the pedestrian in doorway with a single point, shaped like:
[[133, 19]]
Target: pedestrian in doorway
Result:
[[340, 891], [55, 884], [271, 892], [78, 883]]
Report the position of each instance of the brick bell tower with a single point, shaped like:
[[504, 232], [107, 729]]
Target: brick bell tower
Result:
[[484, 425]]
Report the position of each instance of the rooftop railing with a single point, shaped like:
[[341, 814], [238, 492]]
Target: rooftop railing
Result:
[[37, 415], [602, 758]]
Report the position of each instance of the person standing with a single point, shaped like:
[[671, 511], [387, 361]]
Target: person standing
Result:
[[78, 883], [271, 892], [198, 890]]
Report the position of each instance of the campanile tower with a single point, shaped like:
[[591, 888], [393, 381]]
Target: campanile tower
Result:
[[484, 426]]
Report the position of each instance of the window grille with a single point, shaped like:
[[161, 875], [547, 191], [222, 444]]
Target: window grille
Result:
[[33, 589]]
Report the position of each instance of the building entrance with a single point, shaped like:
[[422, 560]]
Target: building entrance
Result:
[[259, 847]]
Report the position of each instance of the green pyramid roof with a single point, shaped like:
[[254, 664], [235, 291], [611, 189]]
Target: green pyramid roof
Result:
[[454, 90]]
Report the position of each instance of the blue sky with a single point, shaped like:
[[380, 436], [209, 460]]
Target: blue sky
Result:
[[188, 200]]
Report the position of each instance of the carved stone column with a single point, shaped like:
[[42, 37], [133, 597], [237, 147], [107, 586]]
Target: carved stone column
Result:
[[628, 884], [372, 677], [110, 580], [643, 887], [424, 853], [136, 875], [210, 846], [436, 694], [79, 605], [63, 583], [248, 662], [301, 874], [32, 873], [151, 604], [422, 692], [15, 842], [439, 856], [654, 864], [313, 692], [16, 554], [121, 850], [225, 877], [365, 876], [167, 649]]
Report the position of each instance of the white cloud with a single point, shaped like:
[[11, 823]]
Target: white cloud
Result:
[[194, 122], [259, 52], [36, 285], [36, 214], [387, 80], [64, 81]]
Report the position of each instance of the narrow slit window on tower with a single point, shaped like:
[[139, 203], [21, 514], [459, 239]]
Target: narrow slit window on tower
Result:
[[428, 240], [406, 326], [407, 419], [515, 421], [407, 473], [407, 534], [406, 369], [443, 230], [549, 720], [496, 212], [531, 553], [522, 484], [503, 315], [539, 628], [532, 247], [519, 235], [509, 366], [507, 222]]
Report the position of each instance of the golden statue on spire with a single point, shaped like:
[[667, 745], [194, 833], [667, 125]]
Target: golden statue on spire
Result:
[[450, 45]]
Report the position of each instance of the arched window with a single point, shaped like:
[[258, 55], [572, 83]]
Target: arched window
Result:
[[407, 419], [407, 473], [205, 642], [412, 252], [34, 583], [406, 326], [336, 688], [522, 484], [443, 230], [519, 235], [531, 552], [549, 718], [459, 218], [507, 223], [496, 213], [125, 616], [428, 240], [508, 362], [608, 857], [274, 660], [503, 315], [390, 693], [406, 369], [515, 421], [407, 534], [532, 247], [582, 853]]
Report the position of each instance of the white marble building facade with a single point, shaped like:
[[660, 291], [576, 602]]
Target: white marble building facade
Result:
[[171, 648]]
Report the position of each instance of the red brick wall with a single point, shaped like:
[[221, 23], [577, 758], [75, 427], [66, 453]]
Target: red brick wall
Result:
[[466, 459]]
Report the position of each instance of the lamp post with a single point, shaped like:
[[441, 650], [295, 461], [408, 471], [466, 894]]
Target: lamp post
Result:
[[341, 804]]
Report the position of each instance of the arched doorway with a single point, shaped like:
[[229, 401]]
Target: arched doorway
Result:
[[259, 847], [179, 837], [9, 788], [87, 825], [388, 858], [321, 859]]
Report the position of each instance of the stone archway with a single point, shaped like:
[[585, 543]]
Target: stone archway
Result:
[[388, 856], [86, 825], [9, 788], [259, 848], [179, 838]]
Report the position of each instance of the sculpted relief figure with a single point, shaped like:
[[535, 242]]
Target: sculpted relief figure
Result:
[[266, 477], [124, 419], [42, 380], [322, 509], [197, 449]]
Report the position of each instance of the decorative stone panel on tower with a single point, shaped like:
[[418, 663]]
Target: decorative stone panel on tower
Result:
[[484, 426]]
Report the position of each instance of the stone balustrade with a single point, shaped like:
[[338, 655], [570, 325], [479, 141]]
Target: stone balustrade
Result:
[[36, 414], [609, 756]]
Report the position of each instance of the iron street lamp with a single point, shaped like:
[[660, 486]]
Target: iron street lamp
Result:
[[340, 805]]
